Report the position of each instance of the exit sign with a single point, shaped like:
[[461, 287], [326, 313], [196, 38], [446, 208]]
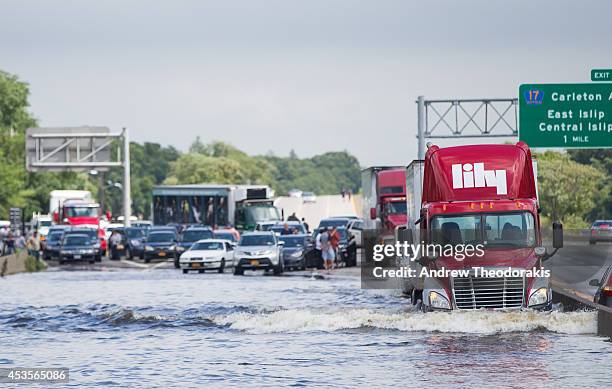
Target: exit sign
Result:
[[566, 115], [601, 75]]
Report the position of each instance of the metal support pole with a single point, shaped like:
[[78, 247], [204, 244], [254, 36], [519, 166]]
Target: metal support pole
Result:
[[127, 196], [421, 127]]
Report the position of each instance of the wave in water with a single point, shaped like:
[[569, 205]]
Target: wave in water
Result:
[[475, 322]]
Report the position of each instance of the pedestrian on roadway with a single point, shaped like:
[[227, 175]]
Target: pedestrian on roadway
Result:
[[306, 226], [114, 240], [10, 243], [327, 250], [334, 241], [33, 245]]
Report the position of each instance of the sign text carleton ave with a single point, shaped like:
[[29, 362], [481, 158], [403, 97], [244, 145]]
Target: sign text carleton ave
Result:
[[566, 115]]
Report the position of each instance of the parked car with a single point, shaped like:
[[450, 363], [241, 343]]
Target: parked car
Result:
[[134, 239], [92, 233], [295, 193], [172, 229], [309, 197], [330, 222], [294, 250], [53, 243], [208, 254], [230, 234], [142, 223], [258, 250], [264, 226], [355, 227], [159, 244], [189, 237], [279, 228], [603, 295], [77, 247], [347, 249], [601, 231]]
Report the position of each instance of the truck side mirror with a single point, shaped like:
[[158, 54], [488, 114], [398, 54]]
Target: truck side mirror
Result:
[[373, 213], [594, 282], [557, 235]]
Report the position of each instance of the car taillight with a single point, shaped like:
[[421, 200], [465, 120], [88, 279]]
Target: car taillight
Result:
[[607, 290]]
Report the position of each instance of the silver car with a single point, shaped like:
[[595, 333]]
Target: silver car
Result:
[[258, 251]]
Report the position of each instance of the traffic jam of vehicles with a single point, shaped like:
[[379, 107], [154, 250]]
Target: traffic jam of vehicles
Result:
[[481, 195], [199, 228]]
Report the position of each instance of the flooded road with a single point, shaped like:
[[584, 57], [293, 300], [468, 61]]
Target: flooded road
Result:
[[130, 328]]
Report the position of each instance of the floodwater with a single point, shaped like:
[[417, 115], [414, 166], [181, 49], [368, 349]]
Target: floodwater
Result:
[[160, 328]]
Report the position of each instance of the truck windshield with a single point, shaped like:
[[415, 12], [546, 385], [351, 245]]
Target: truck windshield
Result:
[[261, 213], [513, 229], [81, 211], [397, 207]]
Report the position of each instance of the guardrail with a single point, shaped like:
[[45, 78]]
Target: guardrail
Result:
[[571, 301], [13, 264]]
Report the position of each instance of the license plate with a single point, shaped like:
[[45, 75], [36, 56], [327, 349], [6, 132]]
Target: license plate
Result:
[[119, 247], [77, 256], [196, 264], [162, 254], [254, 262]]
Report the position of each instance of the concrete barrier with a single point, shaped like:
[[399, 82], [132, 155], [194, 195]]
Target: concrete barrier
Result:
[[13, 264], [572, 301]]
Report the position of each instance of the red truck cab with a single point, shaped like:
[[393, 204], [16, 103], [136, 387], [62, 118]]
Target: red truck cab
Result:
[[482, 196], [392, 198], [81, 213]]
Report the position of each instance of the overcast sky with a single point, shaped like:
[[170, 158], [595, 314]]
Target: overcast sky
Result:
[[312, 76]]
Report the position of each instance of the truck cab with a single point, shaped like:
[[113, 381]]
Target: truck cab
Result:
[[485, 196], [384, 199]]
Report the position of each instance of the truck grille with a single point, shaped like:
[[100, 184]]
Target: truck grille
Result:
[[484, 292]]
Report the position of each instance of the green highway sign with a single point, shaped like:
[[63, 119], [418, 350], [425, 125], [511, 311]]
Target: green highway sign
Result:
[[566, 115], [601, 75]]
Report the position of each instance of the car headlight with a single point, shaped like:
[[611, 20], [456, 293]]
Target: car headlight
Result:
[[436, 300], [172, 248], [149, 248], [296, 254], [266, 252], [538, 297], [135, 242], [179, 248], [239, 252]]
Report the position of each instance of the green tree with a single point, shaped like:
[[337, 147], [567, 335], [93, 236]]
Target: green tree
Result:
[[601, 159], [567, 189]]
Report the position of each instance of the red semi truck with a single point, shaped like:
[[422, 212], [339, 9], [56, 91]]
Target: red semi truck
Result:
[[384, 199], [479, 195]]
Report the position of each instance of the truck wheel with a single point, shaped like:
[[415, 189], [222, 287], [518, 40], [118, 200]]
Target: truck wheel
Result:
[[222, 267], [415, 296], [238, 271]]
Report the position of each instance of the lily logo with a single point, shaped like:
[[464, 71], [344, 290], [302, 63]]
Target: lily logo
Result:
[[474, 175]]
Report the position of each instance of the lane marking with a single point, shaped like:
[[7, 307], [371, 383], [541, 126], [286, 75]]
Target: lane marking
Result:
[[132, 263]]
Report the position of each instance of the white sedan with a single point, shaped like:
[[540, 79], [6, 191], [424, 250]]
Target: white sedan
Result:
[[208, 254]]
